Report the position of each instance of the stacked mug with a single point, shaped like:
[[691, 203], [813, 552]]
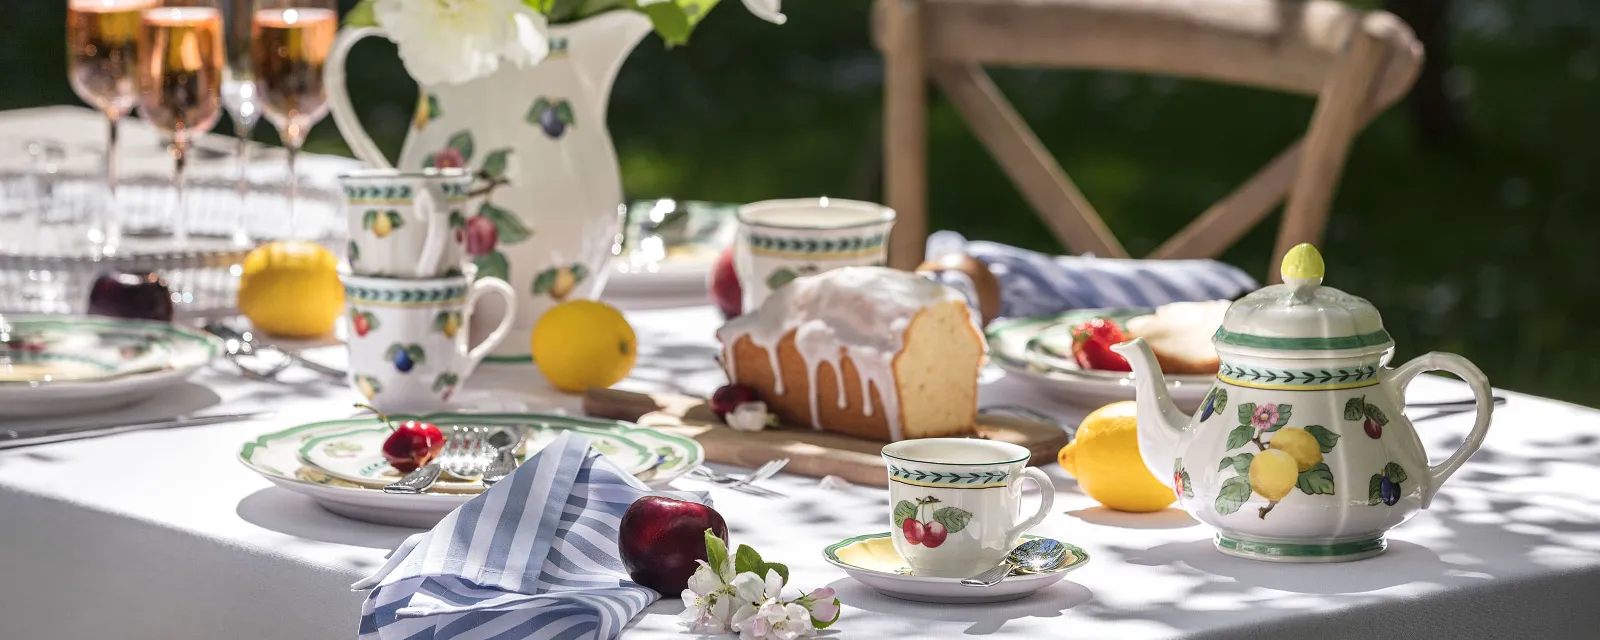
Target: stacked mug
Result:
[[410, 290]]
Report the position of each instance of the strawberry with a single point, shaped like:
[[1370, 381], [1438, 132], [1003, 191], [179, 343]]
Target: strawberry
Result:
[[1091, 345]]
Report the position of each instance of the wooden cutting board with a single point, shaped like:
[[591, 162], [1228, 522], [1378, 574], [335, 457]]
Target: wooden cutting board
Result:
[[810, 452]]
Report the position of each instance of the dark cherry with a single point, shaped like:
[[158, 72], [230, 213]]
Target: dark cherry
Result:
[[730, 396], [122, 294], [410, 445]]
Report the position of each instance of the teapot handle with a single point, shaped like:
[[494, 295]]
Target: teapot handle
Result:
[[1482, 395], [344, 113]]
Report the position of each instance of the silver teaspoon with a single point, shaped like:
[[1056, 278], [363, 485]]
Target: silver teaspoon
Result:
[[1039, 555]]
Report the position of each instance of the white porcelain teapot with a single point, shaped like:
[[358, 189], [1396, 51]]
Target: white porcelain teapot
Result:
[[1302, 451]]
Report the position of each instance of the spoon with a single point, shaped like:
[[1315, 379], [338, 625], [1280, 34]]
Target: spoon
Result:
[[1039, 555]]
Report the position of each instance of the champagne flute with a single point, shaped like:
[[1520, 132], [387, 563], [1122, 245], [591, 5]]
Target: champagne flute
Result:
[[180, 82], [239, 98], [289, 44], [102, 48]]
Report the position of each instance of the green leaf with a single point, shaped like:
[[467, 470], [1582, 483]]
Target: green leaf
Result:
[[1235, 491], [780, 277], [362, 15], [1283, 416], [953, 519], [1352, 409], [493, 265], [1238, 437], [509, 229], [902, 510], [1325, 438], [564, 113], [1245, 411], [1241, 462], [367, 219], [1316, 480], [1396, 474], [823, 624], [1225, 463], [1221, 401], [782, 569], [536, 111], [433, 107], [494, 165], [1375, 489], [543, 281], [1377, 414], [1188, 487], [428, 161], [415, 351], [354, 252], [457, 220], [747, 560], [395, 221], [579, 272], [716, 551], [462, 142], [671, 21]]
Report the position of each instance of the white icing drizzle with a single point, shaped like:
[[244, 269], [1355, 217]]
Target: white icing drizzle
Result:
[[866, 310]]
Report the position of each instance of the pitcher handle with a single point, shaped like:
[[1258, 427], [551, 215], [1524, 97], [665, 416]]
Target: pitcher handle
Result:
[[1482, 395], [480, 286], [1047, 500], [344, 113]]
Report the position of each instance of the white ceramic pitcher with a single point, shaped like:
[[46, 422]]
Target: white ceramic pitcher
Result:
[[550, 195]]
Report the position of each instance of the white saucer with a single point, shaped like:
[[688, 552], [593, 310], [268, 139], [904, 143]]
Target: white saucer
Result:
[[66, 365], [872, 560]]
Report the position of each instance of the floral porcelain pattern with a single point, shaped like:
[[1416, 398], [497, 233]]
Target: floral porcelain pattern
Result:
[[924, 524]]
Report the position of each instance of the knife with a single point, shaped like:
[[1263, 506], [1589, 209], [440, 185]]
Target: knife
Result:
[[11, 438]]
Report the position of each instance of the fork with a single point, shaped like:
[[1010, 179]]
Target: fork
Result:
[[746, 483], [456, 445], [471, 454]]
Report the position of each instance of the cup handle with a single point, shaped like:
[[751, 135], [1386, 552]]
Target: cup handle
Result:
[[498, 287], [1482, 394], [433, 240], [344, 113], [1047, 500]]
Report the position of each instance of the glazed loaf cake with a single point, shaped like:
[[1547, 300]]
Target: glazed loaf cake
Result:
[[866, 351]]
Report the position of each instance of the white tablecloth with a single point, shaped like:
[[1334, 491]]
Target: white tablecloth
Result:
[[165, 535]]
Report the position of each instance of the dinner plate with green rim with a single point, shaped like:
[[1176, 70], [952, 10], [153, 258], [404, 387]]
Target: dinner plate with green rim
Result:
[[872, 560], [276, 457], [1039, 351], [61, 365]]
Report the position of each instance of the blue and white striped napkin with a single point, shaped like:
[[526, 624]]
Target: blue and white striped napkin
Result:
[[535, 556], [1035, 284]]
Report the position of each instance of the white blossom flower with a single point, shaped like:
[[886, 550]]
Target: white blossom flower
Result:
[[453, 41], [769, 10], [712, 598], [774, 620], [749, 416]]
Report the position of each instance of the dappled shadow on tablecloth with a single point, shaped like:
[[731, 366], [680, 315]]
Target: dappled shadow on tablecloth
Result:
[[1050, 602]]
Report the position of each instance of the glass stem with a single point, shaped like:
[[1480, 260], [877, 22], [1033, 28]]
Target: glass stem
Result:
[[241, 235], [107, 230], [294, 189], [180, 217]]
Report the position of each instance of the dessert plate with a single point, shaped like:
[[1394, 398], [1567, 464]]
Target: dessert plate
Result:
[[356, 455], [1039, 350], [276, 457], [872, 560], [62, 365]]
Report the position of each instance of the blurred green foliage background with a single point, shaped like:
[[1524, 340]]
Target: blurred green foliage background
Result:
[[1484, 244]]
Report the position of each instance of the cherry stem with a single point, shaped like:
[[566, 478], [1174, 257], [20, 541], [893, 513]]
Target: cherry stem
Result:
[[485, 189], [382, 417]]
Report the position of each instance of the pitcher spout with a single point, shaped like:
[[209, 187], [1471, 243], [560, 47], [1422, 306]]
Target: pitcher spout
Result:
[[599, 45], [1160, 421]]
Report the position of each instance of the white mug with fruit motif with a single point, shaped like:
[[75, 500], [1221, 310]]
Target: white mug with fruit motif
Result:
[[408, 338], [780, 240], [407, 224], [958, 503]]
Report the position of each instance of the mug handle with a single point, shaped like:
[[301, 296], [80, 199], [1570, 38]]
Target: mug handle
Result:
[[344, 113], [1047, 500], [498, 287], [434, 237], [1482, 394]]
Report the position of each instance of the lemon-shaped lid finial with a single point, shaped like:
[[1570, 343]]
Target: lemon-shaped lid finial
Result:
[[1302, 266]]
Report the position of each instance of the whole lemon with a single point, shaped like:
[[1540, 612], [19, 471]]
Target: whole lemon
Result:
[[291, 289], [1273, 473], [582, 343], [1104, 457], [1298, 444]]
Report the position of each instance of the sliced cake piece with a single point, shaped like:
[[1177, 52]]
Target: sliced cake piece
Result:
[[1180, 335]]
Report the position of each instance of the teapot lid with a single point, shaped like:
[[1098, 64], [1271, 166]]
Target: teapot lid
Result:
[[1303, 315]]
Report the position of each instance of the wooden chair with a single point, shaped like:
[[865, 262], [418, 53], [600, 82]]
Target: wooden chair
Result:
[[1357, 63]]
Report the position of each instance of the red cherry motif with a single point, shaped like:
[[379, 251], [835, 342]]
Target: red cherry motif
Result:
[[1177, 483], [913, 530], [934, 534], [362, 324], [481, 235], [1373, 429]]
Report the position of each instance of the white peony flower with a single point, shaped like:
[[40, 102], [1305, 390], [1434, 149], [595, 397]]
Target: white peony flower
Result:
[[769, 10], [453, 41]]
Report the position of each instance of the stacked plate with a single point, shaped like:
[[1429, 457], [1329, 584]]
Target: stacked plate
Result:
[[340, 463], [62, 365], [1039, 351]]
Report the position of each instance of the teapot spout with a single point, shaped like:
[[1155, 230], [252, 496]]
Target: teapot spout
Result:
[[1160, 421], [599, 45]]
